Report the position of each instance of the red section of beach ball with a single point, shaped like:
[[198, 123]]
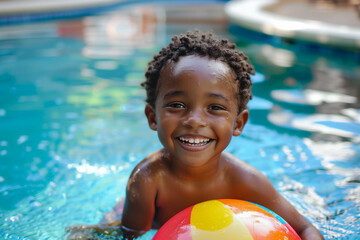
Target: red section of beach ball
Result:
[[178, 227]]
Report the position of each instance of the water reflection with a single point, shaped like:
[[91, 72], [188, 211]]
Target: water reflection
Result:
[[278, 57], [311, 97], [319, 123], [118, 34], [333, 97]]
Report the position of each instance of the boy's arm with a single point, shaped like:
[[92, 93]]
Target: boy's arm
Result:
[[283, 208], [130, 218], [260, 190], [139, 207]]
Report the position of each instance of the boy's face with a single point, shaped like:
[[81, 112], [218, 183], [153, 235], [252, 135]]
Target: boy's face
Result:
[[196, 109]]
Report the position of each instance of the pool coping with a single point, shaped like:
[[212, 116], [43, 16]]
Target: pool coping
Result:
[[257, 19], [20, 11], [37, 6], [23, 11]]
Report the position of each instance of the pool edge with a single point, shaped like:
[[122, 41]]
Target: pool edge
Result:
[[257, 19]]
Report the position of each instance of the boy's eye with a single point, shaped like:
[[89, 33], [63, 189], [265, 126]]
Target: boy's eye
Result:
[[176, 105], [216, 107]]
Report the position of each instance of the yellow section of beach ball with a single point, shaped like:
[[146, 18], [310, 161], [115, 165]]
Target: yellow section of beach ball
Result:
[[211, 216], [212, 220]]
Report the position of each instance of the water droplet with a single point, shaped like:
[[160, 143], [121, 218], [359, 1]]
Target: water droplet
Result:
[[43, 144], [22, 139], [35, 204]]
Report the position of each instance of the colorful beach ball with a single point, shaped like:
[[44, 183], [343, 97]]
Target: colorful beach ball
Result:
[[226, 219]]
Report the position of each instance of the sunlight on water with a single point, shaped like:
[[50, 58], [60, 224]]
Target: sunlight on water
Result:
[[72, 123]]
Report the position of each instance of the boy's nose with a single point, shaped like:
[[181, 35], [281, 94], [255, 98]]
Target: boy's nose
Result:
[[195, 119]]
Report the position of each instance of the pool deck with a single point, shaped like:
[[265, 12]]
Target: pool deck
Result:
[[291, 19], [298, 20], [10, 7]]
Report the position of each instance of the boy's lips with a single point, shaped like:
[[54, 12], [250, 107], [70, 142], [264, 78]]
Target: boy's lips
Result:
[[194, 143]]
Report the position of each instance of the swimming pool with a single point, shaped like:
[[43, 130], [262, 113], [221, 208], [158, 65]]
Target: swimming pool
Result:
[[72, 125]]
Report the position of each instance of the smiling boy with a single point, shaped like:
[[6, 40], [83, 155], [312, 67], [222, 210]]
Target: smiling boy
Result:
[[197, 91]]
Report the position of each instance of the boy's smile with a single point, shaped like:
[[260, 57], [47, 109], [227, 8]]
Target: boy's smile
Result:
[[196, 109]]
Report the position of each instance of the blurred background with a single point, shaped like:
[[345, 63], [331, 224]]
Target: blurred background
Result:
[[71, 109]]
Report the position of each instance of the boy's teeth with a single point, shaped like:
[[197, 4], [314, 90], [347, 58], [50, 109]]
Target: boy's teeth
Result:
[[194, 140]]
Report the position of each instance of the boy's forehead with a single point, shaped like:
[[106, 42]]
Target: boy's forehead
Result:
[[208, 71], [201, 65]]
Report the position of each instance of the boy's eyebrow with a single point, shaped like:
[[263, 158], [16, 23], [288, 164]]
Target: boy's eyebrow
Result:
[[181, 93], [174, 94], [218, 95]]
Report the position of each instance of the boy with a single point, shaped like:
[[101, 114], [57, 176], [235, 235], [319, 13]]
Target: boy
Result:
[[197, 90]]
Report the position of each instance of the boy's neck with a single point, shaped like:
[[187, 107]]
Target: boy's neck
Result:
[[213, 168]]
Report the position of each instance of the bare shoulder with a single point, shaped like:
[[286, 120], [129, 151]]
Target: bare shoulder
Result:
[[148, 169], [141, 191], [245, 178], [238, 168]]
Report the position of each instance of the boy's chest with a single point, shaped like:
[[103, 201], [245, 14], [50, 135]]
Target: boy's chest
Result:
[[175, 196]]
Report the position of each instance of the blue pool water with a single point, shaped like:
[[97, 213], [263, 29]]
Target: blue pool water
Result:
[[72, 125]]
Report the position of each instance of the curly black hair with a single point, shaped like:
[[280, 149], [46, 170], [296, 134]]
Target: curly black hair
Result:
[[201, 44]]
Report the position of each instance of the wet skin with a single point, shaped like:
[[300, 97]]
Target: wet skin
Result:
[[196, 114]]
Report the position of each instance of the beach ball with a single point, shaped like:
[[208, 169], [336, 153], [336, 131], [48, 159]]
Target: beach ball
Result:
[[226, 219]]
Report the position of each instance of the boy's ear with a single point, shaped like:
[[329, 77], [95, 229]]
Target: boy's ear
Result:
[[151, 116], [240, 122]]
